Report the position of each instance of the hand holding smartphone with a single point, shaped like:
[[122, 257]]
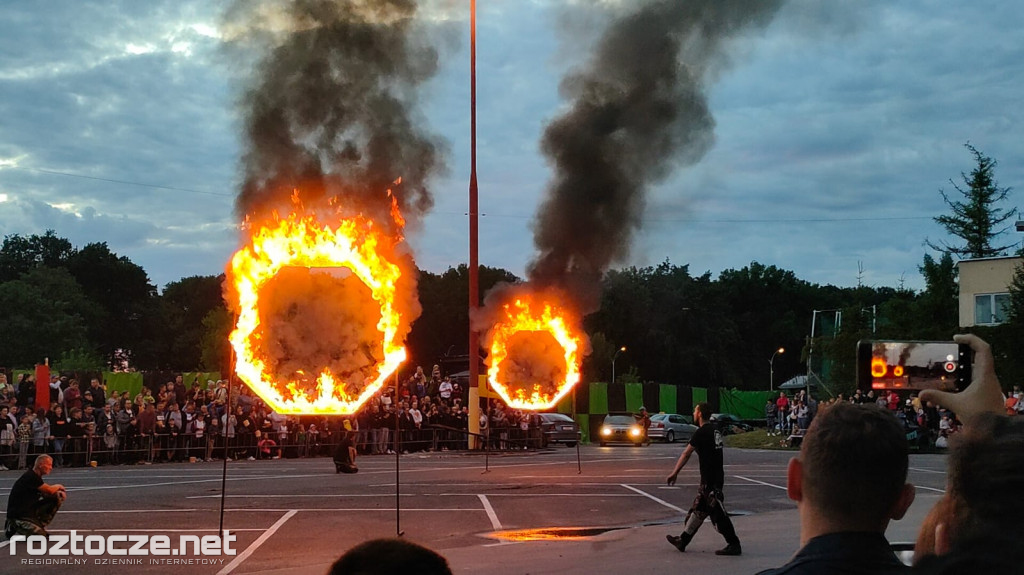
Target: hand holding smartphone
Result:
[[984, 395]]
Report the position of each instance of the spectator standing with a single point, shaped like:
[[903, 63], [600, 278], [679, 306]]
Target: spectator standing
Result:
[[803, 416], [40, 432], [8, 439], [24, 438], [893, 401], [72, 396], [59, 427], [882, 401], [782, 405], [99, 395], [849, 482], [770, 412], [444, 390]]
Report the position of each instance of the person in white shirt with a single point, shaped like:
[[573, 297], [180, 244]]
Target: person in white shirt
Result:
[[445, 389]]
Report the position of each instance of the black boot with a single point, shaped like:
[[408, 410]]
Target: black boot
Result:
[[681, 541], [730, 549]]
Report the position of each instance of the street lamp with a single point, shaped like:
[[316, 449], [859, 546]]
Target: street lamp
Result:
[[614, 357], [771, 364]]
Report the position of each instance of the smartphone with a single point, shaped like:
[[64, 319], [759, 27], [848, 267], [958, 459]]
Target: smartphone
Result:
[[913, 365]]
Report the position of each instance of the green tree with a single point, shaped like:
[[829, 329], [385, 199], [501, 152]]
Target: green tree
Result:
[[46, 314], [1016, 289], [185, 304], [938, 307], [79, 359], [122, 290], [20, 254], [444, 323], [977, 219], [214, 345]]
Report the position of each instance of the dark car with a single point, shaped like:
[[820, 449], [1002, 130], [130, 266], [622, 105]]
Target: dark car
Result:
[[670, 427], [558, 428], [618, 428], [729, 424]]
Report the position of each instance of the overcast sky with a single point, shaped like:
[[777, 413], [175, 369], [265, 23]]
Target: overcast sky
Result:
[[836, 127]]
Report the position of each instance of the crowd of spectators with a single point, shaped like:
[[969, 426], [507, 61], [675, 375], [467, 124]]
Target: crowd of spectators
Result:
[[786, 416], [931, 424], [91, 425]]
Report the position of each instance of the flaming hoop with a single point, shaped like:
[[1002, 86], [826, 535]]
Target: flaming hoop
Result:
[[302, 241], [531, 318]]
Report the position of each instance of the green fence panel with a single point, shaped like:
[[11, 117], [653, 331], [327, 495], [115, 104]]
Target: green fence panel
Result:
[[565, 405], [744, 404], [598, 398], [668, 398], [584, 421], [700, 394], [120, 381], [634, 397]]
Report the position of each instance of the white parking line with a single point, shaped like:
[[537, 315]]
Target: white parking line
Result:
[[255, 544], [343, 509], [653, 498], [760, 482], [106, 511], [930, 489], [495, 524]]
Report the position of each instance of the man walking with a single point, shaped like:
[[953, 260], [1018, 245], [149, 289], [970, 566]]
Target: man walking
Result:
[[707, 442]]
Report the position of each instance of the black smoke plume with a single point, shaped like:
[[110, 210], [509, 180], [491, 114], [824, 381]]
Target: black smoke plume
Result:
[[639, 110], [331, 106]]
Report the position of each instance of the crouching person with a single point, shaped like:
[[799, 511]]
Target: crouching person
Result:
[[345, 455], [33, 504]]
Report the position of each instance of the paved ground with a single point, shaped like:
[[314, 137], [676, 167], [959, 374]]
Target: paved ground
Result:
[[296, 516]]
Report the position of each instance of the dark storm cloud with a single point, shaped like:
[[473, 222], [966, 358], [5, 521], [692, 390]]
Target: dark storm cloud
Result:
[[639, 109], [331, 108]]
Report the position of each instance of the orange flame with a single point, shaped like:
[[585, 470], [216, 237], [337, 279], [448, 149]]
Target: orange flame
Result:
[[879, 367], [530, 317], [299, 240]]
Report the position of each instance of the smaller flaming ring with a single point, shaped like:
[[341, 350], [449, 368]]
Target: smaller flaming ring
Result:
[[323, 256], [499, 342]]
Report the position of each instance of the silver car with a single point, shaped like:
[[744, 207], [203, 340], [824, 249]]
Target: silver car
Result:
[[620, 428], [670, 427]]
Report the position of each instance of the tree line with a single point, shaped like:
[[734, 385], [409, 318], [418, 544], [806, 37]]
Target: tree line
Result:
[[88, 308]]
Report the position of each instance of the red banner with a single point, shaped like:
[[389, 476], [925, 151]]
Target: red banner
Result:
[[42, 387]]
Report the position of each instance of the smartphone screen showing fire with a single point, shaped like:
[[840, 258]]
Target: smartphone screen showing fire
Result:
[[912, 365]]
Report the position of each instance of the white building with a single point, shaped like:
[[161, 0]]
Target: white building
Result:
[[985, 289]]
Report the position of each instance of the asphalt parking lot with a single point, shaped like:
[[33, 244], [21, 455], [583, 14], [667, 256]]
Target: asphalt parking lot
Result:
[[297, 515]]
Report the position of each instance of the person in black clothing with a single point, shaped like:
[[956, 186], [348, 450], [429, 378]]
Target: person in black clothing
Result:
[[849, 482], [345, 454], [32, 503], [707, 442]]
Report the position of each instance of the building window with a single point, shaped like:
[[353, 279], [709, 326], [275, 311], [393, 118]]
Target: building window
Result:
[[991, 308]]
